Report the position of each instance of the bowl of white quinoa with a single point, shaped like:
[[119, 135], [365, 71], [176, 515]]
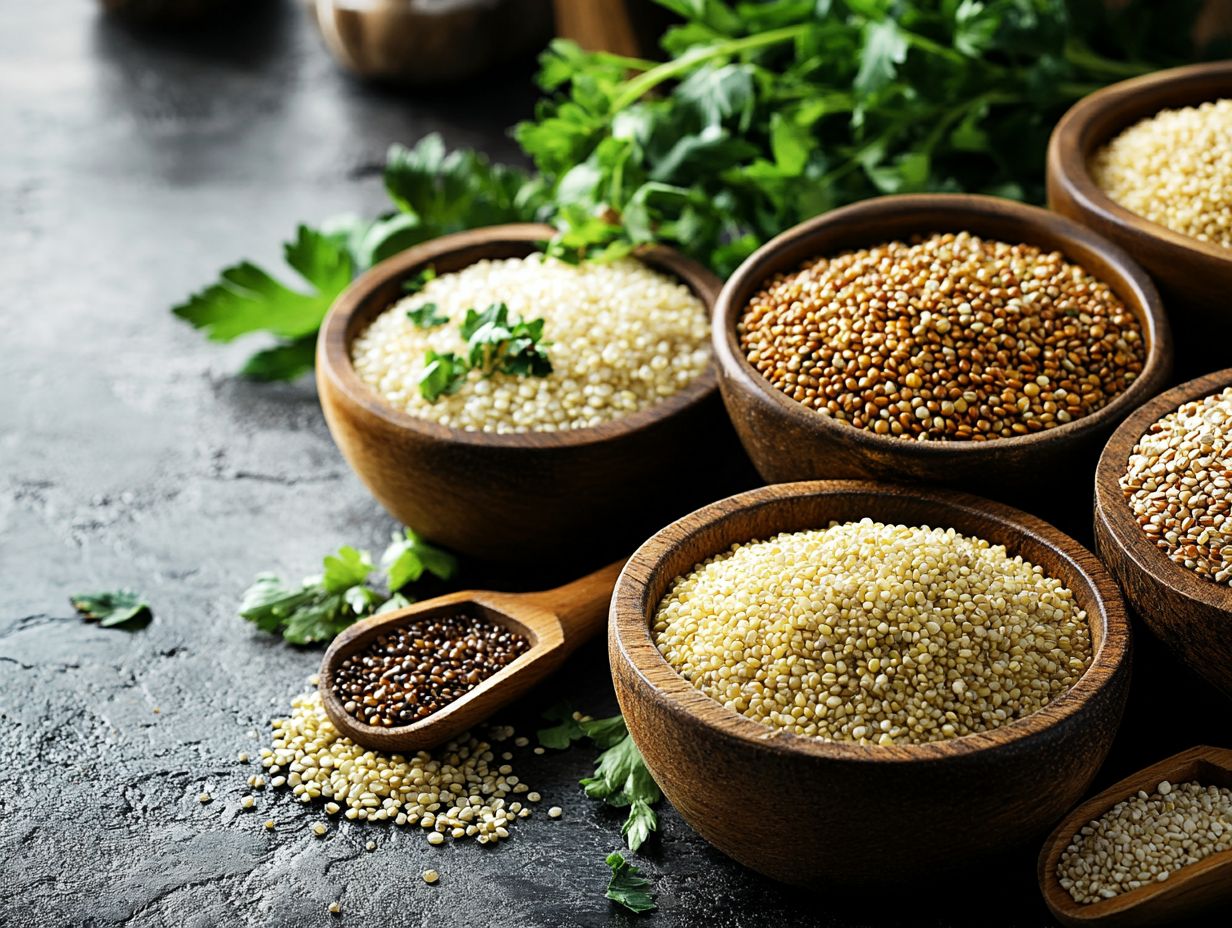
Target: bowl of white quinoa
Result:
[[854, 683], [1147, 163], [590, 414]]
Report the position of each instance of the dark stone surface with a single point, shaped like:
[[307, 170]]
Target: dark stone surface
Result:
[[132, 167]]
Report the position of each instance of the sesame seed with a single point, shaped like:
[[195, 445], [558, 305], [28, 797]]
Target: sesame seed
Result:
[[430, 876]]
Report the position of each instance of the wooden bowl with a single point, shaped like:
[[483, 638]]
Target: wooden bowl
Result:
[[788, 441], [811, 812], [412, 43], [1187, 891], [1195, 277], [1189, 613], [518, 496]]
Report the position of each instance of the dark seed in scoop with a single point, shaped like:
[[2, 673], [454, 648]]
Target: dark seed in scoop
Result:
[[418, 668]]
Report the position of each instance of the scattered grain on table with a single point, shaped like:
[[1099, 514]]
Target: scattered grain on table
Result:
[[456, 790]]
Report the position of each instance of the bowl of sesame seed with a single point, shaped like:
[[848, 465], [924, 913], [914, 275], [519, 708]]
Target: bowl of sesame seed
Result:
[[955, 340], [506, 404], [1147, 163], [846, 682], [1163, 520]]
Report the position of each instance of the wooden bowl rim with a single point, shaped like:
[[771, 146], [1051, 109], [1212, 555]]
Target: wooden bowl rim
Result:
[[1058, 899], [1143, 300], [1072, 143], [630, 626], [1119, 518], [334, 341]]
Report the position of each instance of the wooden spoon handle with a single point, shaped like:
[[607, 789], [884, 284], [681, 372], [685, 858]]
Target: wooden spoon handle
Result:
[[581, 605]]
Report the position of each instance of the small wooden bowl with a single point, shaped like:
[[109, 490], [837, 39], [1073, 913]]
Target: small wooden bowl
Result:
[[517, 496], [412, 44], [808, 811], [788, 441], [1187, 891], [1191, 614], [1195, 277]]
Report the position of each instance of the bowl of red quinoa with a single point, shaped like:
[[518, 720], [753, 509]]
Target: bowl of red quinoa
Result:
[[620, 431], [1147, 163], [1163, 520], [955, 340]]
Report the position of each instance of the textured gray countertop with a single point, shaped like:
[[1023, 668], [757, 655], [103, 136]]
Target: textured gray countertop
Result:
[[133, 167]]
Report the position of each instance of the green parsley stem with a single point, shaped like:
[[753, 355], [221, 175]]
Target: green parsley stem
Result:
[[634, 89], [1083, 56]]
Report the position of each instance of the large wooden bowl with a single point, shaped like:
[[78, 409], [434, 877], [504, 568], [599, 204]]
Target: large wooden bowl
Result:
[[1040, 471], [526, 495], [1195, 277], [813, 812], [1189, 613]]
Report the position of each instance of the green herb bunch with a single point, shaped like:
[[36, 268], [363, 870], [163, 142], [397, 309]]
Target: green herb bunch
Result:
[[765, 114], [345, 591]]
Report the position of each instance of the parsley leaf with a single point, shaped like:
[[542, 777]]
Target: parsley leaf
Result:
[[884, 50], [346, 569], [408, 556], [397, 601], [321, 606], [564, 733], [497, 345], [621, 778], [640, 823], [248, 299], [443, 375], [111, 608], [419, 280], [627, 886], [427, 316]]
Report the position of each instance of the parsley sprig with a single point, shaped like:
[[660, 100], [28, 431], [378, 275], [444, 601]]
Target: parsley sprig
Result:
[[345, 591], [111, 608], [628, 886], [494, 344], [621, 778]]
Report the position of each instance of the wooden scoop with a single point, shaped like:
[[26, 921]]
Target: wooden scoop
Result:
[[1186, 891], [554, 623]]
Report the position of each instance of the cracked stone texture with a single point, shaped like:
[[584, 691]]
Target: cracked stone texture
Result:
[[132, 167]]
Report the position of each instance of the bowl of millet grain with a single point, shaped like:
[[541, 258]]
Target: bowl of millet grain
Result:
[[508, 405], [1147, 163], [844, 683], [954, 340], [1163, 520]]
